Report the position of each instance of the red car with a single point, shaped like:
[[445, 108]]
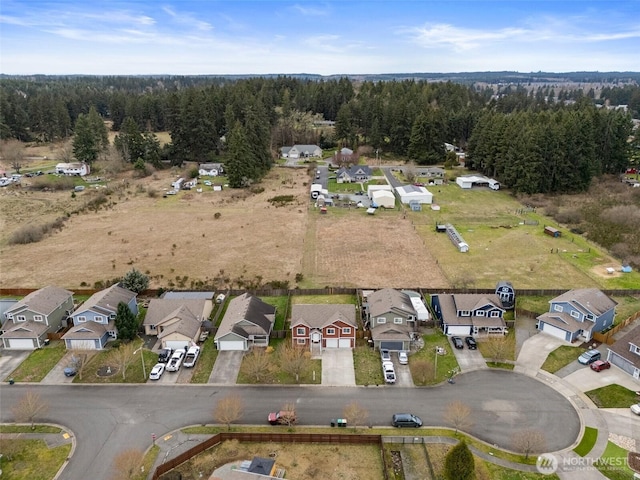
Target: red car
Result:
[[600, 365]]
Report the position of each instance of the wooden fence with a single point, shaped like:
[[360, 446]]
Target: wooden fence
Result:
[[607, 337], [270, 437]]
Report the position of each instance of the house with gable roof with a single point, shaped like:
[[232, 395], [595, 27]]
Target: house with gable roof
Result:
[[468, 314], [247, 322], [94, 322], [577, 314], [301, 151], [210, 169], [390, 317], [323, 326], [353, 173], [30, 319], [625, 353]]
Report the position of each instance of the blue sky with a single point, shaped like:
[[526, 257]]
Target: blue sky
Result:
[[334, 37]]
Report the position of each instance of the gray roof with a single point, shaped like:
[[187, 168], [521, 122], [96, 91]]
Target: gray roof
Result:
[[188, 295], [591, 300], [320, 315], [247, 308], [210, 166], [106, 301], [89, 330], [387, 300], [43, 301], [450, 305], [391, 331], [188, 325], [621, 346], [565, 322], [27, 329], [474, 301], [163, 309]]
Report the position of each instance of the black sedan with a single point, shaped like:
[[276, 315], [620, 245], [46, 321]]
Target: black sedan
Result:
[[457, 342], [471, 343]]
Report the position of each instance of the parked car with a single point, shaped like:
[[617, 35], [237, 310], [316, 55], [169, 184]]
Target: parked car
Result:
[[471, 343], [70, 371], [589, 357], [406, 420], [403, 358], [204, 336], [635, 408], [157, 371], [164, 355], [175, 361], [385, 355], [191, 357], [389, 372], [282, 417], [457, 342], [599, 365]]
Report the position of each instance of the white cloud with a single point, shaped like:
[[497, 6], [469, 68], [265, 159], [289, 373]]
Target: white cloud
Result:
[[187, 20], [311, 11]]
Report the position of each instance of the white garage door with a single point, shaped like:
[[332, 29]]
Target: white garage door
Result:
[[231, 345], [176, 344], [332, 343], [344, 343], [21, 344], [82, 345], [555, 331], [458, 330]]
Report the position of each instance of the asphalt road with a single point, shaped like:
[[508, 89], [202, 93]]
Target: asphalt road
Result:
[[108, 419]]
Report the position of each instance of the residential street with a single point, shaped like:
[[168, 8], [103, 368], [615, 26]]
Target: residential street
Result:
[[109, 419]]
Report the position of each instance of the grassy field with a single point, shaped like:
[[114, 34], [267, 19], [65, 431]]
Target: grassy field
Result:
[[366, 363], [31, 459], [445, 363], [560, 357], [612, 396]]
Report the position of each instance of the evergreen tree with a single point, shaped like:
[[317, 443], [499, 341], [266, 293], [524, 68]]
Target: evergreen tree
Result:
[[459, 463], [239, 163], [126, 322], [135, 280], [129, 142], [86, 146]]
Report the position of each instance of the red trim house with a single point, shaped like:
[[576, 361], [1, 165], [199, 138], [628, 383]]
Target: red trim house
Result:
[[324, 326]]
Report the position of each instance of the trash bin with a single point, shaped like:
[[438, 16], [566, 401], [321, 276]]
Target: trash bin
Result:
[[342, 422], [11, 381], [46, 341], [333, 422]]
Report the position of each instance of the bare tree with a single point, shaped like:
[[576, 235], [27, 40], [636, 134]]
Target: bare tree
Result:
[[13, 154], [422, 370], [458, 414], [127, 465], [355, 414], [257, 364], [123, 356], [65, 154], [228, 410], [410, 172], [29, 407], [498, 348], [529, 441], [288, 414], [294, 360], [80, 359]]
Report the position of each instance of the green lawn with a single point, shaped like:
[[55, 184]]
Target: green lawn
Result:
[[31, 459], [613, 396], [27, 429], [39, 362], [510, 339], [206, 359], [444, 364], [587, 441], [323, 299], [560, 357], [613, 463], [368, 369], [282, 310], [134, 373], [496, 472]]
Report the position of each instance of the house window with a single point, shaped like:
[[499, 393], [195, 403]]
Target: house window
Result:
[[331, 331], [495, 313], [397, 320], [98, 319], [21, 318], [301, 341], [635, 349], [589, 316], [479, 313], [112, 316], [37, 318], [346, 331], [152, 327], [381, 320], [465, 313], [575, 314], [300, 331], [82, 319], [557, 308]]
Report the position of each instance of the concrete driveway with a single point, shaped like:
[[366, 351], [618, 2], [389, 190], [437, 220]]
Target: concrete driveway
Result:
[[403, 374], [536, 349], [468, 359], [56, 374], [337, 367], [585, 379], [225, 370], [10, 360]]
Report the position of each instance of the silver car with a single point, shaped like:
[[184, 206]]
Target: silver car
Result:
[[403, 358]]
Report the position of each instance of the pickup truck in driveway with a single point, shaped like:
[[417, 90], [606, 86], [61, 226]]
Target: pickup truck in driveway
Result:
[[175, 361], [191, 357], [388, 372]]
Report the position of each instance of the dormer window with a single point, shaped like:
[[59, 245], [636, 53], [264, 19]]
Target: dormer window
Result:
[[480, 313], [575, 314], [557, 308], [465, 313], [634, 348]]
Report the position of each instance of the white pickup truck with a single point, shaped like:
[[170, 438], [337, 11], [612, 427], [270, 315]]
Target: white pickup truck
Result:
[[191, 357], [389, 372], [175, 361]]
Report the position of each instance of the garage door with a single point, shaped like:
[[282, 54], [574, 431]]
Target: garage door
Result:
[[344, 343], [555, 331], [82, 345], [21, 344], [231, 345], [458, 330], [331, 343], [176, 344], [391, 346]]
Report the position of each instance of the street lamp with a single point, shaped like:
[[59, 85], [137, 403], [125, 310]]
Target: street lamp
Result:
[[144, 371], [435, 369]]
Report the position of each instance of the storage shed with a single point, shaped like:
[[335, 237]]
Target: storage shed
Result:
[[552, 232], [383, 198], [410, 193]]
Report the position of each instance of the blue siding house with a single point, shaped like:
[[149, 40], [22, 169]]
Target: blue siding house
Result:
[[577, 314], [94, 321]]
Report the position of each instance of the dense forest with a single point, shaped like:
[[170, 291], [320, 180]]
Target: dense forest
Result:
[[531, 138]]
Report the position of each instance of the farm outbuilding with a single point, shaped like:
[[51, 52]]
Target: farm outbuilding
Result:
[[457, 239], [410, 193], [384, 198], [470, 181], [552, 232]]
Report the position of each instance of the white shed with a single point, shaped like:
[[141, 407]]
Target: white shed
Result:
[[375, 188], [408, 193], [384, 198]]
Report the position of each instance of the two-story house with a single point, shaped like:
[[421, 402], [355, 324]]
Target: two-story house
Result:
[[625, 353], [353, 173], [94, 321], [247, 322], [391, 318], [469, 314], [30, 319], [323, 326], [577, 314]]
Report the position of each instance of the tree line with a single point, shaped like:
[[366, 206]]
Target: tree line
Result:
[[527, 138]]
